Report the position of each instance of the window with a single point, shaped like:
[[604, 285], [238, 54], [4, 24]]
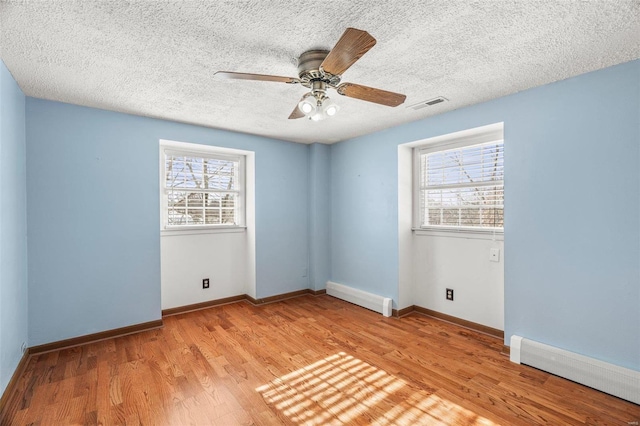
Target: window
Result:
[[460, 186], [202, 189]]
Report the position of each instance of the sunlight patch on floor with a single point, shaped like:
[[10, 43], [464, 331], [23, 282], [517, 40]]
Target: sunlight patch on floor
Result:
[[342, 388]]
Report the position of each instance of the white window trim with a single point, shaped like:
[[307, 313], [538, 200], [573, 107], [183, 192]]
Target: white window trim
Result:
[[199, 229], [491, 133], [204, 151], [494, 234]]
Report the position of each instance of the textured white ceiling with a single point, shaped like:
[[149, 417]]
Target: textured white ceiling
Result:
[[157, 58]]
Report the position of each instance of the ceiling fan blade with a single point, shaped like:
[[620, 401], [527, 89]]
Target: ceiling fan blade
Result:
[[228, 75], [351, 46], [370, 94], [296, 113]]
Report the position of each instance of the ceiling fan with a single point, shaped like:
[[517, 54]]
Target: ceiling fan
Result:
[[320, 70]]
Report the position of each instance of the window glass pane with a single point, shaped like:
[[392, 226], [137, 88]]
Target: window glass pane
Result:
[[195, 216], [462, 186], [213, 199], [478, 163], [493, 217], [228, 216], [196, 199], [220, 174], [176, 198], [197, 190], [228, 201], [212, 216], [470, 217], [434, 217], [176, 208], [450, 217], [184, 172]]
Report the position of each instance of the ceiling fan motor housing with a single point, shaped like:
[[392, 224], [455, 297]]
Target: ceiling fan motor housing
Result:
[[309, 69]]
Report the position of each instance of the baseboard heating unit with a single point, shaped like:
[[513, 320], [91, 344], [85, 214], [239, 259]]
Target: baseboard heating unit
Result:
[[612, 379], [367, 300]]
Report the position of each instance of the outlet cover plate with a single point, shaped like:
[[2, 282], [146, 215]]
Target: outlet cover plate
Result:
[[449, 294], [494, 255]]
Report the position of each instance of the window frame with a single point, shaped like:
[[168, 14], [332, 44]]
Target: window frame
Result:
[[209, 152], [444, 145]]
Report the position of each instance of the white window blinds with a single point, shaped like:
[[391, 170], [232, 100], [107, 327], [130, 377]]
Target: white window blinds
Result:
[[202, 189], [462, 187]]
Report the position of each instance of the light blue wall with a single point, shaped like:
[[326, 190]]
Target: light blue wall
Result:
[[93, 197], [572, 210], [13, 226], [319, 215], [282, 214], [572, 219], [364, 221]]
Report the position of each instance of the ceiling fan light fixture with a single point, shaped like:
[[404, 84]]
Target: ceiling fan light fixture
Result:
[[319, 115], [329, 107], [308, 105]]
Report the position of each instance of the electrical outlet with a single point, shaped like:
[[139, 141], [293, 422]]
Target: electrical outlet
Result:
[[449, 294], [494, 255], [205, 283]]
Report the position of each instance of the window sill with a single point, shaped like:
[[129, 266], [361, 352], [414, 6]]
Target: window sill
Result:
[[197, 230], [478, 234]]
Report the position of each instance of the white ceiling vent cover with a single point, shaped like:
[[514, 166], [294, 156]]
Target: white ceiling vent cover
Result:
[[428, 103], [612, 379]]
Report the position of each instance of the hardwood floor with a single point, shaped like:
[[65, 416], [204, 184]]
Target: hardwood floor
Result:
[[309, 360]]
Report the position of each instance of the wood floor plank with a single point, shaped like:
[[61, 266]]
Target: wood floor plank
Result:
[[308, 360]]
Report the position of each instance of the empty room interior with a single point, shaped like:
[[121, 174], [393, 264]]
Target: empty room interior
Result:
[[344, 212]]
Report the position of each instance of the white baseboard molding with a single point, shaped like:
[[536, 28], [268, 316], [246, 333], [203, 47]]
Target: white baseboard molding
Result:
[[362, 298], [609, 378]]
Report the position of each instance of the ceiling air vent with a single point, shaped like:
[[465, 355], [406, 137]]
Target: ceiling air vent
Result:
[[428, 103]]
